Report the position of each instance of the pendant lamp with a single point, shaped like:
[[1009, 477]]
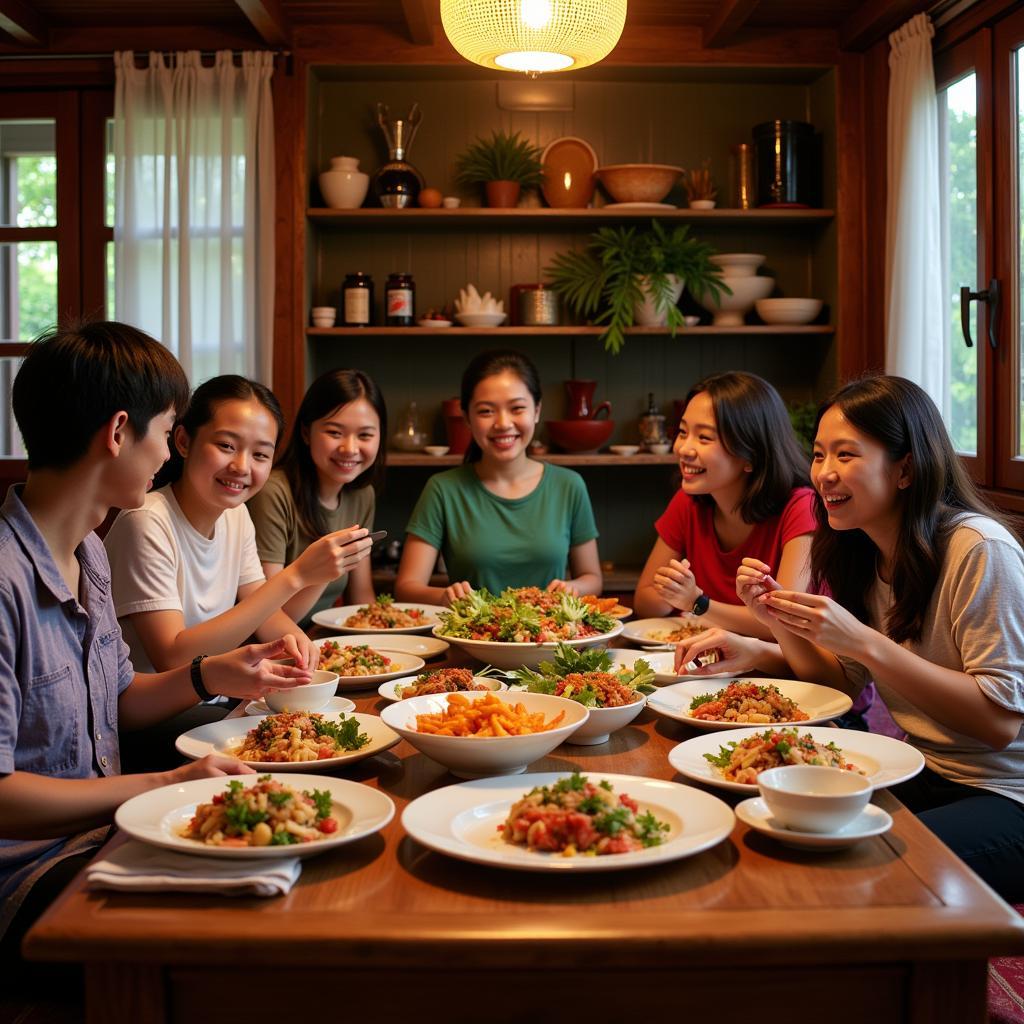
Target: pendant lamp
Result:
[[533, 35]]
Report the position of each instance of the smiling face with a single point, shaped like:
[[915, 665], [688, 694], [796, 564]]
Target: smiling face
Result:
[[502, 416], [230, 457], [707, 466], [857, 479], [343, 444]]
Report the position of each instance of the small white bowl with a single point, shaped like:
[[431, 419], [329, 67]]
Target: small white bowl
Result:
[[434, 323], [480, 319], [624, 449], [788, 311], [691, 320], [659, 449], [304, 698], [602, 722], [451, 202], [437, 450], [738, 264], [477, 757], [812, 798]]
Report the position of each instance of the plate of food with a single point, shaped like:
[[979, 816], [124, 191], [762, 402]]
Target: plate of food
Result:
[[360, 666], [522, 626], [710, 704], [616, 822], [255, 816], [662, 662], [425, 647], [608, 606], [734, 761], [385, 615], [291, 742], [439, 680], [664, 632]]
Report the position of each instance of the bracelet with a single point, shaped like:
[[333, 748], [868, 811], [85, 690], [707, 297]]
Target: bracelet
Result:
[[197, 678]]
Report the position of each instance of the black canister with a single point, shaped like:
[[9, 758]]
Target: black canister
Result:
[[786, 164], [357, 300]]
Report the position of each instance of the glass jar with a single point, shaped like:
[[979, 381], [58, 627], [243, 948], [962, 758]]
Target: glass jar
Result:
[[357, 300], [400, 301]]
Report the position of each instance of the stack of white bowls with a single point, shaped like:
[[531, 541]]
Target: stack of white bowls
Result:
[[739, 274]]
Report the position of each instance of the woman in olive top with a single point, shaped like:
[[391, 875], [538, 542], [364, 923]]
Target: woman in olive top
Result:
[[501, 519]]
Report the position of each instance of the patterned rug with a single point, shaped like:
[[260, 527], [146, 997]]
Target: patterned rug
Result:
[[1006, 987]]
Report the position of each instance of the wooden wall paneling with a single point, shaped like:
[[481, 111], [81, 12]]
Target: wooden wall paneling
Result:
[[23, 23], [269, 19], [141, 38]]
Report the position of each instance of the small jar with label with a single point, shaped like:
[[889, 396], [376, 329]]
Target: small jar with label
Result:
[[357, 300], [400, 301]]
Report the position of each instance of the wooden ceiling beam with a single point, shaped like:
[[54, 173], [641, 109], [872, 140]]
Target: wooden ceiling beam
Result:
[[418, 21], [269, 20], [23, 23], [873, 20], [730, 17]]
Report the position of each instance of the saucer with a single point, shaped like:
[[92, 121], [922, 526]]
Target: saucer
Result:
[[335, 705], [872, 821], [640, 206]]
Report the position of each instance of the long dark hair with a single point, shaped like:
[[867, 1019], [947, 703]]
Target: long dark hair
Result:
[[202, 406], [753, 424], [901, 417], [490, 364], [328, 392]]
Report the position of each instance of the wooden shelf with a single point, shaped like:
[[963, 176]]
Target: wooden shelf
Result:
[[396, 460], [477, 216], [548, 332]]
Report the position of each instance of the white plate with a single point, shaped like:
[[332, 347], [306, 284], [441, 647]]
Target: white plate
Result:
[[425, 647], [510, 655], [640, 206], [872, 821], [389, 690], [661, 662], [336, 705], [335, 618], [462, 821], [639, 631], [220, 737], [887, 761], [402, 663], [157, 817], [821, 703]]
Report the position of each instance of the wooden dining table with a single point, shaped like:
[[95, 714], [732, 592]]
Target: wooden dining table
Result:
[[893, 929]]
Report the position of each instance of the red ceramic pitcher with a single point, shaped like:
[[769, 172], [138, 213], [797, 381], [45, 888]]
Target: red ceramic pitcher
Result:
[[455, 426], [581, 400]]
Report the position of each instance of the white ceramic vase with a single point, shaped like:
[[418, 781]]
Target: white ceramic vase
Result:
[[344, 185], [646, 313]]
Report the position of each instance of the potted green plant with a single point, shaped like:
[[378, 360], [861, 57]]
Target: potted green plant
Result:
[[625, 276], [503, 164]]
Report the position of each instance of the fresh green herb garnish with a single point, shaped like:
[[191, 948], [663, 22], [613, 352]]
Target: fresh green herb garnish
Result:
[[723, 757], [345, 732], [322, 799], [283, 838], [612, 822], [279, 798], [649, 829], [241, 818], [703, 698]]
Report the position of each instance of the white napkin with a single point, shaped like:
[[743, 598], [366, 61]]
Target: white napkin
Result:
[[138, 867]]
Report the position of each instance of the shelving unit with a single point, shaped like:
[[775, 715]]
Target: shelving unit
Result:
[[559, 332], [405, 460]]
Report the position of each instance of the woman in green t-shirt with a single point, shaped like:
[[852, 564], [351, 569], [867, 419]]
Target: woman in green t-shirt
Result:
[[501, 519], [322, 485]]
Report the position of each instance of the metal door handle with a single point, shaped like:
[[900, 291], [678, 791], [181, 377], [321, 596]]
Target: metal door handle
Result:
[[991, 296]]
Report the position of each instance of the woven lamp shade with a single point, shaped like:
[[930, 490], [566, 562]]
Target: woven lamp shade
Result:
[[533, 35]]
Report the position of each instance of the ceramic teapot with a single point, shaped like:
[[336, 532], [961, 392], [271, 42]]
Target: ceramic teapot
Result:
[[581, 401]]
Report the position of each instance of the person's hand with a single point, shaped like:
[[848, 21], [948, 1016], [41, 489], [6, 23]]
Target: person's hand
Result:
[[249, 671], [332, 555], [818, 619], [455, 591], [753, 580], [736, 654], [675, 583], [305, 652], [209, 767], [566, 586]]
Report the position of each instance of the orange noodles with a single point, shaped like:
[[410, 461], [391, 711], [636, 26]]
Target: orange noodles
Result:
[[488, 716]]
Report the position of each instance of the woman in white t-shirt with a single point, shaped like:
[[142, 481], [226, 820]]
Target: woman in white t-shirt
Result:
[[927, 599], [186, 575]]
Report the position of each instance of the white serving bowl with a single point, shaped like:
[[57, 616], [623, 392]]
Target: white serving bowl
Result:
[[662, 448], [812, 798], [788, 311], [437, 450], [738, 264], [476, 757], [602, 722], [305, 698], [729, 310], [480, 319], [624, 449], [510, 655]]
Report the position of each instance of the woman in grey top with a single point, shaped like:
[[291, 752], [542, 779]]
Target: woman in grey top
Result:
[[928, 601]]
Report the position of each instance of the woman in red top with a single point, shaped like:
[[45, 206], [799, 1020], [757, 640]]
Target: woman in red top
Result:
[[745, 489]]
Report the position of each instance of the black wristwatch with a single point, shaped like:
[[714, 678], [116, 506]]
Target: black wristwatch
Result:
[[700, 606], [197, 678]]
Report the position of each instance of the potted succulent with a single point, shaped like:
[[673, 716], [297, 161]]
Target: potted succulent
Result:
[[625, 276], [503, 164]]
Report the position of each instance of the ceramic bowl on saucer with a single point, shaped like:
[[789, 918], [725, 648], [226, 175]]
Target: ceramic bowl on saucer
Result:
[[872, 821], [304, 698], [638, 183], [813, 798]]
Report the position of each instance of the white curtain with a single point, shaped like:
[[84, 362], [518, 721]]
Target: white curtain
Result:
[[194, 218], [913, 261]]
